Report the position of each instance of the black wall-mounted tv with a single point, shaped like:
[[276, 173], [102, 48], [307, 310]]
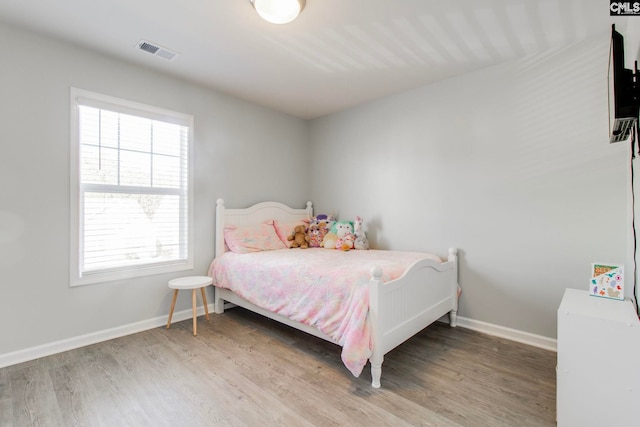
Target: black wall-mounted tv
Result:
[[624, 102]]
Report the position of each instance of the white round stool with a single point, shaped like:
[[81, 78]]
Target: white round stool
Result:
[[193, 283]]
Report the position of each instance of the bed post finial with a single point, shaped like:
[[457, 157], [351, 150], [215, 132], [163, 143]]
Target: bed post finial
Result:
[[309, 209], [220, 202], [453, 254], [376, 272]]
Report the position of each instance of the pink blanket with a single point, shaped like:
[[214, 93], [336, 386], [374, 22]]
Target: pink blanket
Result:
[[327, 289]]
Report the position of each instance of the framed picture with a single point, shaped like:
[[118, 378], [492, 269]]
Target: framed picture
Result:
[[607, 281]]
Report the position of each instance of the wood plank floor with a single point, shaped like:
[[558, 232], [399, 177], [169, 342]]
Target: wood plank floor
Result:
[[246, 370]]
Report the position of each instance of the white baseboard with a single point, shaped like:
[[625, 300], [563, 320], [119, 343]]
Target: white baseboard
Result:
[[508, 333], [44, 350], [37, 352]]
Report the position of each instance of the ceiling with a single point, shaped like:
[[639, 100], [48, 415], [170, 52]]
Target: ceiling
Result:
[[337, 54]]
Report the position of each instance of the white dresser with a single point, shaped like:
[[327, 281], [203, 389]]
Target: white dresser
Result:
[[598, 378]]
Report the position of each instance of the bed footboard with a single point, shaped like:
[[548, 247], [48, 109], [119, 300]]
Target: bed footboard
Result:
[[403, 307]]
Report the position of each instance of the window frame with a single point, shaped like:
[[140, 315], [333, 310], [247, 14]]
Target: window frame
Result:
[[93, 99]]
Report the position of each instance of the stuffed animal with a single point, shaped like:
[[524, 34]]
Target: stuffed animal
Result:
[[318, 228], [338, 230], [361, 241], [299, 237], [346, 242]]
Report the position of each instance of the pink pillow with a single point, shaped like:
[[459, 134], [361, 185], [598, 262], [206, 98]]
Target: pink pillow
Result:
[[285, 229], [252, 238]]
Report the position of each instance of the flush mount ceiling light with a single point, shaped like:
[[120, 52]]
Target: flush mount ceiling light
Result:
[[278, 11]]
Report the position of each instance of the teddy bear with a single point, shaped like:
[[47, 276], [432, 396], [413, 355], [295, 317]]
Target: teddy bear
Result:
[[299, 237], [361, 241]]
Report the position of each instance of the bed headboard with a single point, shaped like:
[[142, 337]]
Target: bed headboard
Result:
[[255, 214]]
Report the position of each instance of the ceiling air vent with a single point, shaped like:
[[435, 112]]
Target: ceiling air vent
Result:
[[156, 50]]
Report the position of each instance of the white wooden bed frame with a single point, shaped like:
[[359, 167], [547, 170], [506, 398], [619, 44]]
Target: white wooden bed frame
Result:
[[398, 309]]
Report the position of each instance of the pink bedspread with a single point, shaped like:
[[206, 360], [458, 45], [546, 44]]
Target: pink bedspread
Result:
[[327, 289]]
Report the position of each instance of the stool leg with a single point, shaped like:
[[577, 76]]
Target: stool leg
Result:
[[204, 300], [173, 305], [195, 319]]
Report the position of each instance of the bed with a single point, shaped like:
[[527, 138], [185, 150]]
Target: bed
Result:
[[391, 295]]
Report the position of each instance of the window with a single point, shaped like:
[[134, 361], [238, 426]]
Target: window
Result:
[[130, 189]]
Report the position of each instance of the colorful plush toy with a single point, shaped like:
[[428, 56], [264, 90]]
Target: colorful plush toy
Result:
[[338, 230], [299, 237], [361, 241], [346, 242], [318, 228]]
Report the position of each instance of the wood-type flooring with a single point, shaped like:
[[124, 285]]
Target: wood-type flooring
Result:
[[245, 370]]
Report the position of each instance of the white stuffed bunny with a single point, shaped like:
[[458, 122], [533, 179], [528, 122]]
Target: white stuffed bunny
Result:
[[361, 238]]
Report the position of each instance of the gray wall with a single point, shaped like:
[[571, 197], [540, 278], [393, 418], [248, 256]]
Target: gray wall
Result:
[[510, 164], [235, 143]]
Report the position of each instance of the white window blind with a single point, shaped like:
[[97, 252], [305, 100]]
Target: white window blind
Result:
[[133, 193]]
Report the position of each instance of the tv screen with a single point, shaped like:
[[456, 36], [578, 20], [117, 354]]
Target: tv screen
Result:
[[623, 88]]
